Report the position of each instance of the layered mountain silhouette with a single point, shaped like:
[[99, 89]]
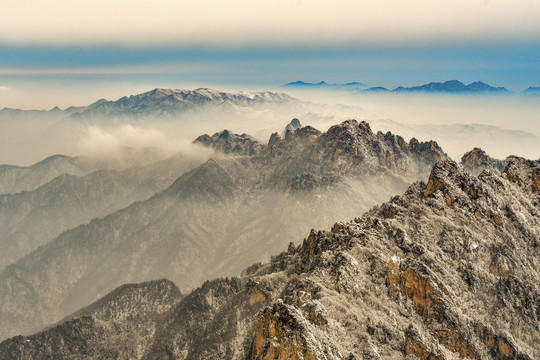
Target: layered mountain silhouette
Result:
[[161, 102], [355, 85], [216, 219], [450, 86], [447, 270], [14, 179], [532, 90], [30, 219], [173, 102], [173, 113]]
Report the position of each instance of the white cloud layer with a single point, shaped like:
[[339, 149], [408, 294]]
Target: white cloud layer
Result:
[[278, 22]]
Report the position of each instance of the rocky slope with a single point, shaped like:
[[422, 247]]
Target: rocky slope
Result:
[[477, 160], [447, 270], [125, 319], [214, 220], [33, 218]]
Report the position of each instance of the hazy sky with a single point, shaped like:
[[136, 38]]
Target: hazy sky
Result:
[[64, 52]]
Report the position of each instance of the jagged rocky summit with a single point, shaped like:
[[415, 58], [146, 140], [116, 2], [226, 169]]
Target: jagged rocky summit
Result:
[[477, 161], [215, 219], [230, 143], [447, 270]]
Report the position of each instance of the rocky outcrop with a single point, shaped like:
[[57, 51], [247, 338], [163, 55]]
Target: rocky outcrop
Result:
[[345, 149], [477, 161], [415, 285], [291, 127], [229, 143]]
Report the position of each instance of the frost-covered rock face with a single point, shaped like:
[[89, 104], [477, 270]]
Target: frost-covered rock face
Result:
[[118, 326], [447, 270], [477, 160], [348, 148]]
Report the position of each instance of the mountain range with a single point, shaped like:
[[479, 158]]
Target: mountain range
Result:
[[215, 219], [156, 118], [355, 85], [153, 254], [446, 270], [30, 219], [535, 91], [162, 103], [451, 87]]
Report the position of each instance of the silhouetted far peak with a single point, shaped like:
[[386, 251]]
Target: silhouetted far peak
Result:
[[452, 86], [323, 84], [532, 91]]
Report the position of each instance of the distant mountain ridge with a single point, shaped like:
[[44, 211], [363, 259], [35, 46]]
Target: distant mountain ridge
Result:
[[532, 90], [355, 85], [450, 86], [161, 101], [453, 86]]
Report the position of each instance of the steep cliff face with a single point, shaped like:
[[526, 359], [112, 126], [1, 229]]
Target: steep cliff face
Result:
[[447, 270]]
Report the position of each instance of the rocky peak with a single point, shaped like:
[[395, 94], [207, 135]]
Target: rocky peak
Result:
[[525, 173], [295, 123], [429, 151], [230, 143], [274, 139], [288, 133], [477, 160]]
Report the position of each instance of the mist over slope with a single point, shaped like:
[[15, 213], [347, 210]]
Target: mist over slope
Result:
[[32, 218], [169, 118], [216, 219], [447, 270], [163, 118], [457, 138]]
